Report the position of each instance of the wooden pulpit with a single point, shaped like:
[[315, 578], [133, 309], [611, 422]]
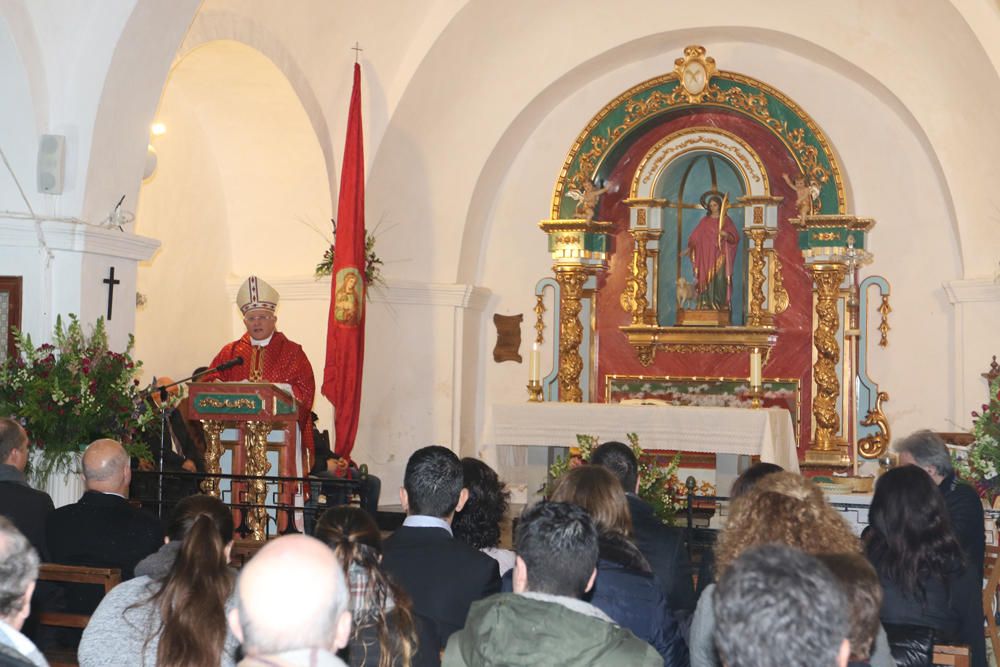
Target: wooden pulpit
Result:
[[254, 409]]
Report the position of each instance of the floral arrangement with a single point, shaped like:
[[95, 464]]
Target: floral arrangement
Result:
[[658, 486], [71, 392], [983, 457], [373, 263]]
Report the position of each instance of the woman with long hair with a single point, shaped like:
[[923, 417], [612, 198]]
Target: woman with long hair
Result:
[[625, 589], [478, 523], [925, 579], [173, 613], [781, 508], [384, 632]]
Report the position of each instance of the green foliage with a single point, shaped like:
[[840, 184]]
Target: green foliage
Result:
[[658, 486], [373, 263], [73, 391], [983, 462]]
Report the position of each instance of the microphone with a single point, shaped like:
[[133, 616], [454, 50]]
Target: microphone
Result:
[[238, 361]]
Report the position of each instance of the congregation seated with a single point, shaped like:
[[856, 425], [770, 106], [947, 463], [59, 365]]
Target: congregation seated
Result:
[[478, 524], [173, 613], [18, 572], [925, 578], [775, 605], [545, 621], [102, 529], [292, 606], [861, 587], [27, 508], [383, 633], [442, 575], [625, 589], [662, 545], [782, 508]]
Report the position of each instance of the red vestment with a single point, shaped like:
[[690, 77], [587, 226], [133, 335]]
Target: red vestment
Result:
[[284, 362]]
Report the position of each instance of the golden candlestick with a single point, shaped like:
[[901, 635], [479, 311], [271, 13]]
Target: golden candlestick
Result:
[[535, 391]]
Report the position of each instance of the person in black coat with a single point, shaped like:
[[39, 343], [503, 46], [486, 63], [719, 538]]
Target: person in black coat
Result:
[[926, 450], [27, 508], [625, 588], [662, 545], [925, 578], [442, 575], [102, 529]]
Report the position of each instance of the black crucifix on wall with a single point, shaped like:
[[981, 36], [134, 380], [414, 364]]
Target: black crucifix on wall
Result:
[[111, 282]]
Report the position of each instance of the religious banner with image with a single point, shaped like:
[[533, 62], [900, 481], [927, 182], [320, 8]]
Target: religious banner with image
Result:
[[345, 337]]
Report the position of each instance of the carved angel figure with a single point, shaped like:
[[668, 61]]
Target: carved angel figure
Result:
[[806, 194], [586, 200]]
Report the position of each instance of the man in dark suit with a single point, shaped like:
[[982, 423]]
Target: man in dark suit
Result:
[[662, 545], [102, 529], [443, 576], [27, 508], [926, 449]]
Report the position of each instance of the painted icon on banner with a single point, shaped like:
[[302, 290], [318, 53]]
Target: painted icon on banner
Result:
[[347, 302]]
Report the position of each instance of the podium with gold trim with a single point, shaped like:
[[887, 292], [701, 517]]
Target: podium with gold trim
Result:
[[255, 410]]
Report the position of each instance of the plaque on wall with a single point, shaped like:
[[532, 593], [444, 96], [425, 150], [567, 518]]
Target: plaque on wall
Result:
[[10, 314]]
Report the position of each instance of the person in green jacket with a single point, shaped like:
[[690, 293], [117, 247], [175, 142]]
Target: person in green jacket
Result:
[[544, 622]]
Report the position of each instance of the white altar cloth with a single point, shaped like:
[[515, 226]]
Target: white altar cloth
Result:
[[767, 432]]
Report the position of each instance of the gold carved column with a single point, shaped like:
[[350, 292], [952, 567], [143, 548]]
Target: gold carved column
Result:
[[213, 452], [757, 316], [256, 467], [827, 443], [571, 282], [579, 250]]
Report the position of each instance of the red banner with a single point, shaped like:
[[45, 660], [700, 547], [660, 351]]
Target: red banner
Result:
[[345, 332]]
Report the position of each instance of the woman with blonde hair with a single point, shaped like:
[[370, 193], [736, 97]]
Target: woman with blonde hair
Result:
[[383, 632], [782, 508], [625, 589]]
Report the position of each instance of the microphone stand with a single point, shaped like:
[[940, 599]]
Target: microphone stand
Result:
[[164, 426]]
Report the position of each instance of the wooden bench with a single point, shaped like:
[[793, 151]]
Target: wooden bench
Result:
[[951, 656], [105, 577]]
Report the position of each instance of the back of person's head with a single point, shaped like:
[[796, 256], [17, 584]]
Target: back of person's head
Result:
[[910, 535], [927, 449], [776, 605], [600, 493], [12, 438], [106, 466], [784, 508], [433, 482], [749, 477], [18, 571], [620, 460], [478, 524], [357, 543], [557, 544], [192, 599], [273, 615], [860, 585]]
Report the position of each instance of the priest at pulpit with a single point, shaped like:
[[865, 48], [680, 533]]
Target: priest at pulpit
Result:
[[268, 356]]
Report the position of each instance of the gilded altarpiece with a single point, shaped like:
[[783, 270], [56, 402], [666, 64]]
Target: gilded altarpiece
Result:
[[657, 156]]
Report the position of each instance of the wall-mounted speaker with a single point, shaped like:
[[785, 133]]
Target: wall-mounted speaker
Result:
[[51, 163]]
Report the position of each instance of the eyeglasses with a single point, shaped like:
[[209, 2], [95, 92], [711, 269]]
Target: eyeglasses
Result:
[[258, 318]]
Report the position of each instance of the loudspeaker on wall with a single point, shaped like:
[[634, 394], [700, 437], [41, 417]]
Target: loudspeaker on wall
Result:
[[51, 163]]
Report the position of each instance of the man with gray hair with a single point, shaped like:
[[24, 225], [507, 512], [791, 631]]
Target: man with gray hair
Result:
[[102, 529], [776, 605], [925, 449], [278, 625], [18, 571]]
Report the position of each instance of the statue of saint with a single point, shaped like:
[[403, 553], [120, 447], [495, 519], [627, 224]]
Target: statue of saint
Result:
[[712, 250]]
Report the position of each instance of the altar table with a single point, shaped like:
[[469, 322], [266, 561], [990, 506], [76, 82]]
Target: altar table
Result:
[[766, 432]]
